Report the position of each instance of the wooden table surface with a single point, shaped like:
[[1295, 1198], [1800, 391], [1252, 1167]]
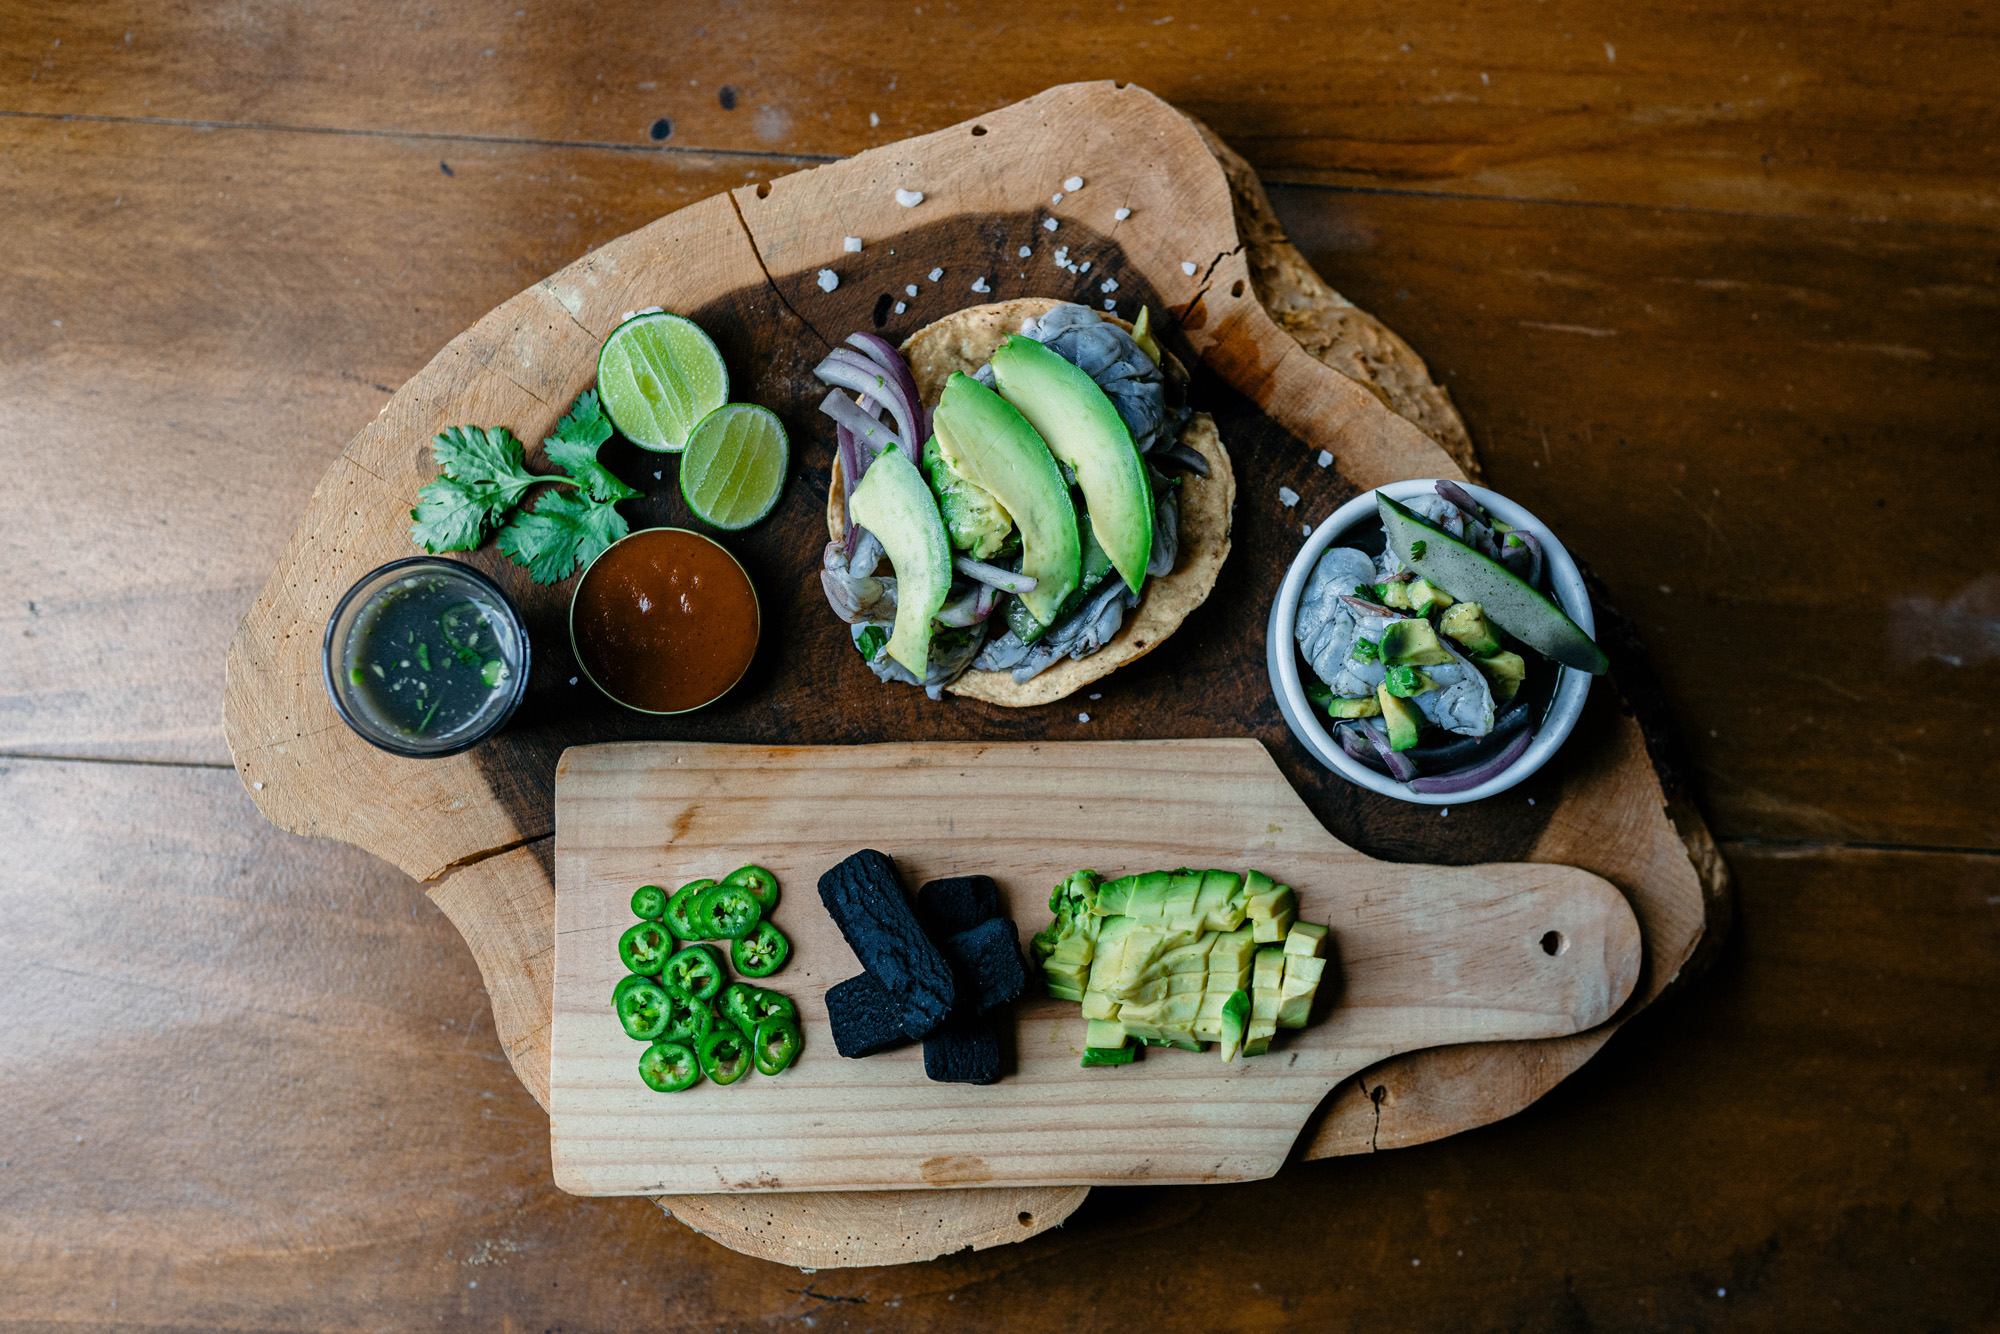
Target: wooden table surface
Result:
[[1718, 291]]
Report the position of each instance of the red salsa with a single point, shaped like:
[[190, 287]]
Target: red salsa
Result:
[[665, 621]]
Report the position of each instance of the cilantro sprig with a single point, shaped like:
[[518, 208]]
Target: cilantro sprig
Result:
[[483, 479]]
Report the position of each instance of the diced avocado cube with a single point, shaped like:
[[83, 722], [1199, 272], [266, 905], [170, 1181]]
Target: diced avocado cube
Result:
[[1149, 897], [1235, 1019], [1395, 593], [1272, 932], [1212, 1003], [1269, 967], [1308, 938], [1141, 1029], [1059, 991], [1365, 707], [1412, 643], [1108, 1056], [1426, 597], [1189, 958], [1504, 672], [1070, 977], [1075, 948], [1208, 1029], [1222, 893], [1403, 719], [1232, 950], [1186, 984], [1294, 1011], [1225, 980], [1114, 897], [1467, 624], [1183, 888], [1097, 1005], [1303, 968], [1257, 1038], [1104, 1033], [1273, 903], [1264, 1003], [1140, 993], [1256, 882]]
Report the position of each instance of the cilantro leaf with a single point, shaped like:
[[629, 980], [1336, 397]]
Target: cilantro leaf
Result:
[[492, 459], [452, 515], [871, 642], [579, 460], [562, 532], [584, 423]]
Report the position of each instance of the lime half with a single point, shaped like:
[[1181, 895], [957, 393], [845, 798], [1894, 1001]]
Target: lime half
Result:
[[734, 469], [658, 375]]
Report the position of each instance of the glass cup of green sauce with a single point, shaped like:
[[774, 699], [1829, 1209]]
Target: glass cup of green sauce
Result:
[[425, 657]]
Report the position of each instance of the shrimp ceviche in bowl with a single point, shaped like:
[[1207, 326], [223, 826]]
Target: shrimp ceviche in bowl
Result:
[[1433, 646]]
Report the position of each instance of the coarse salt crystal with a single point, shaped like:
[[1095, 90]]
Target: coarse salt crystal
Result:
[[828, 280], [1085, 268], [1083, 717], [909, 198], [1287, 497], [1121, 214], [910, 290], [1443, 811], [1097, 696], [258, 786], [1056, 198], [1108, 285], [902, 306], [1306, 529], [979, 285], [1073, 183], [1062, 255], [572, 680], [1049, 224], [658, 475], [935, 275], [1027, 251], [1188, 267], [1110, 303], [873, 120], [1325, 458], [853, 244]]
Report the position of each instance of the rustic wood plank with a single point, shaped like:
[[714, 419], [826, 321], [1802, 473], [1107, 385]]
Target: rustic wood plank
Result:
[[305, 1188], [1707, 105]]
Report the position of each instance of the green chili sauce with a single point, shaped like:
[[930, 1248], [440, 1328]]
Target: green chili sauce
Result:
[[427, 660]]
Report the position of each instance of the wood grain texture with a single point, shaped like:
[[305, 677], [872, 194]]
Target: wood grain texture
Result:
[[277, 1058], [1426, 956], [1856, 114]]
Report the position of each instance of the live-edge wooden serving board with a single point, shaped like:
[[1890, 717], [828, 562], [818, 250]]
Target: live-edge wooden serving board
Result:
[[1312, 370], [1424, 956]]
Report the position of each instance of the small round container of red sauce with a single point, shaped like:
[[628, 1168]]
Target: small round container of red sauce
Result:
[[664, 621]]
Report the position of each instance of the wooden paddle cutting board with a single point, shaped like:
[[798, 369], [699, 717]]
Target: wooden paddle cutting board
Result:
[[1424, 956]]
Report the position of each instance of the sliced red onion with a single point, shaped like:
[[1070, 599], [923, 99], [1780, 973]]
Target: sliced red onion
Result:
[[868, 430], [884, 354], [847, 455], [1462, 498], [1472, 775], [1356, 745], [1400, 767], [988, 595], [1528, 540], [1005, 580], [848, 369], [966, 611]]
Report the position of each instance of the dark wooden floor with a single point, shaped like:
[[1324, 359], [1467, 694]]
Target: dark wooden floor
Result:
[[1718, 292]]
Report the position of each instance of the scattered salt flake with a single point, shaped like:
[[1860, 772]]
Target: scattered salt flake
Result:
[[1049, 224], [1122, 214], [979, 285], [936, 274], [1062, 255], [1056, 198], [1073, 183], [1188, 267], [658, 475], [1083, 717], [1085, 268], [258, 786], [1443, 811], [853, 244], [1111, 303], [1097, 696], [1531, 801], [909, 198], [1325, 458], [1287, 497], [828, 280], [910, 290], [873, 120], [1306, 530], [572, 680], [1108, 285], [1026, 251], [902, 306]]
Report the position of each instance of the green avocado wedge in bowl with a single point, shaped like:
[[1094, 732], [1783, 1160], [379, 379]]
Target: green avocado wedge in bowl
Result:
[[1433, 642]]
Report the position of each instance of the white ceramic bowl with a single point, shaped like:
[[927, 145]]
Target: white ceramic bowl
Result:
[[1281, 652]]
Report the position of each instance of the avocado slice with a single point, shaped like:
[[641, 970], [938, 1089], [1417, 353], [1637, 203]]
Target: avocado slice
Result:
[[893, 503], [1514, 605], [1306, 938], [1504, 672], [1235, 1019], [975, 522], [1365, 707], [1413, 642], [1467, 623], [992, 446], [1083, 429], [1402, 718], [1426, 597]]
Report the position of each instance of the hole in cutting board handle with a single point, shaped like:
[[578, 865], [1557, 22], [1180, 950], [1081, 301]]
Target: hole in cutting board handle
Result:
[[978, 130], [1554, 942], [1027, 1219]]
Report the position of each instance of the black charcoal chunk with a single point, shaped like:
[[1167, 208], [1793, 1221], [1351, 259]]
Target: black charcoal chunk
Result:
[[964, 1051], [988, 962], [865, 900], [865, 1020], [947, 907]]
